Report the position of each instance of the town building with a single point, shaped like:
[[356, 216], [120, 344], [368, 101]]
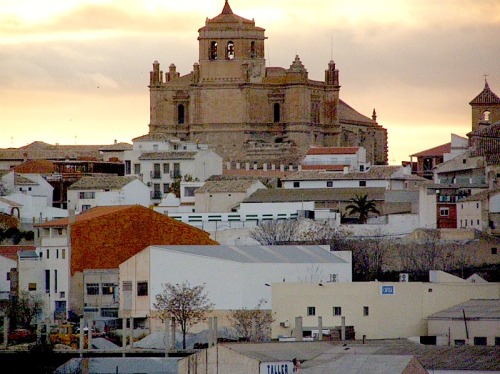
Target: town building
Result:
[[161, 161], [249, 270], [89, 192], [335, 159], [379, 310], [481, 212], [474, 322], [251, 112], [98, 239]]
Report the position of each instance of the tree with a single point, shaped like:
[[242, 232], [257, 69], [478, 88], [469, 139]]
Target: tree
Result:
[[23, 309], [276, 232], [252, 324], [187, 304], [362, 206]]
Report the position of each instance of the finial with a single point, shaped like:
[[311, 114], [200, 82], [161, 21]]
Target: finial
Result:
[[486, 81], [374, 115]]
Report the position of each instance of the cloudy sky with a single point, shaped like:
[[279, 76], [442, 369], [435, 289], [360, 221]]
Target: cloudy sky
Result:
[[76, 71]]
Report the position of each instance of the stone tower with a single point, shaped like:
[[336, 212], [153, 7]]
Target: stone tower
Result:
[[485, 108]]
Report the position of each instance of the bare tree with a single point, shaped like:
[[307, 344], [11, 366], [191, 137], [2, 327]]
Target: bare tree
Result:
[[252, 324], [276, 232], [187, 304], [23, 309], [369, 257]]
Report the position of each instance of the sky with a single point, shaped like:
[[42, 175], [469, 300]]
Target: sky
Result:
[[77, 71]]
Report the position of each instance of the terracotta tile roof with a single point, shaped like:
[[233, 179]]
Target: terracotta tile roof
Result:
[[482, 196], [155, 136], [433, 152], [87, 215], [35, 167], [227, 16], [338, 168], [21, 180], [375, 172], [347, 114], [117, 147], [10, 251], [491, 131], [174, 155], [332, 150], [282, 195], [234, 185], [255, 173], [486, 96], [101, 183]]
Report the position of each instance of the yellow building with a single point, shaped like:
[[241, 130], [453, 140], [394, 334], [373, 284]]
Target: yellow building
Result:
[[377, 310], [253, 113]]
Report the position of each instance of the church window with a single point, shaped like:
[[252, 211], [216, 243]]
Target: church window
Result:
[[277, 114], [486, 115], [230, 51], [253, 54], [180, 114], [213, 51]]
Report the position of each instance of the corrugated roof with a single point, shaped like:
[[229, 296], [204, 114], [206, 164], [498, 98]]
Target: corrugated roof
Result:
[[101, 183], [434, 152], [281, 195], [474, 309], [234, 185], [173, 155], [486, 96], [261, 254], [332, 150]]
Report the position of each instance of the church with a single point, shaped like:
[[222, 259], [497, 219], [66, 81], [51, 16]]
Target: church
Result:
[[251, 113]]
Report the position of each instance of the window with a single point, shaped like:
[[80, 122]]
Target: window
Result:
[[41, 254], [311, 311], [156, 171], [366, 311], [497, 340], [253, 54], [29, 188], [296, 184], [108, 288], [109, 312], [362, 183], [337, 311], [277, 114], [444, 212], [31, 286], [92, 288], [63, 254], [213, 51], [329, 184], [477, 205], [478, 222], [57, 253], [459, 342], [177, 169], [127, 286], [128, 167], [180, 114], [230, 50], [189, 191], [486, 115], [480, 340], [494, 250], [47, 254], [166, 168], [87, 195], [155, 147], [166, 187], [142, 288], [85, 207], [137, 168], [8, 276], [361, 167], [62, 294], [55, 281]]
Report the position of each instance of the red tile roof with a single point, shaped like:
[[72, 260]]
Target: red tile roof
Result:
[[87, 215], [487, 96], [324, 167], [35, 167], [332, 150], [436, 151], [10, 251]]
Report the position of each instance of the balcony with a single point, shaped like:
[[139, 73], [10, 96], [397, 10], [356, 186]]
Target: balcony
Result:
[[175, 174], [156, 195], [155, 175]]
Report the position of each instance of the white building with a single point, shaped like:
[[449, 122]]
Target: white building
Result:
[[28, 184], [89, 192], [235, 277], [30, 208], [159, 160], [5, 265], [388, 177], [335, 159], [480, 211]]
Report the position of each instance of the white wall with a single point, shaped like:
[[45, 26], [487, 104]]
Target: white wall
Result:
[[469, 215], [427, 206], [397, 225], [5, 265], [285, 207], [336, 184], [495, 203]]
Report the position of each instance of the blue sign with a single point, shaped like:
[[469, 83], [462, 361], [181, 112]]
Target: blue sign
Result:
[[387, 290]]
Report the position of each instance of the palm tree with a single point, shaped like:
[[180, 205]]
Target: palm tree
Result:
[[362, 206]]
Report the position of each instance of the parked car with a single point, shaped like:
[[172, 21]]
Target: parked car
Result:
[[21, 336]]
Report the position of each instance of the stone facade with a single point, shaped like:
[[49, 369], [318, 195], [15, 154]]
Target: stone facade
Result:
[[253, 113]]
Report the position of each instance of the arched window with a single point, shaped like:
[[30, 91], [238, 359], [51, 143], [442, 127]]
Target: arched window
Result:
[[252, 50], [180, 114], [277, 114], [486, 115], [213, 51], [230, 50]]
